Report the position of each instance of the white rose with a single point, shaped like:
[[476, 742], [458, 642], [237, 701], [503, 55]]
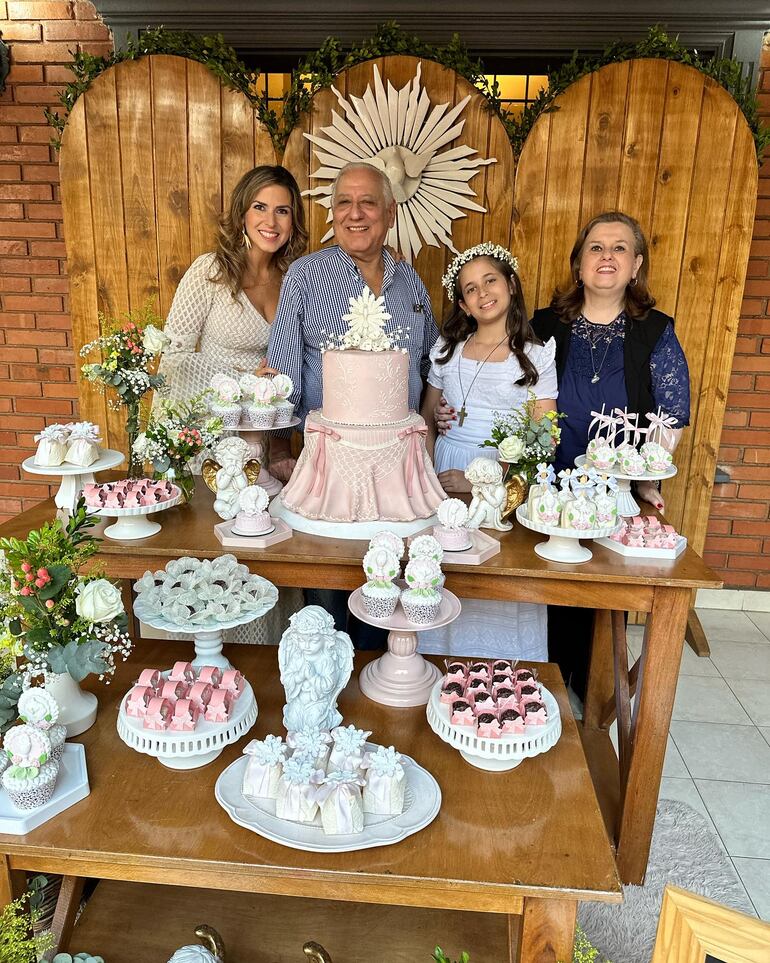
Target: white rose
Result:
[[511, 449], [154, 340], [98, 601]]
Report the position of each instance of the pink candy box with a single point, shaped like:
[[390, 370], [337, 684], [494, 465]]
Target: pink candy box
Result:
[[158, 714], [652, 523], [132, 500], [477, 685], [668, 539], [636, 525], [151, 678], [200, 694], [511, 721], [149, 499], [523, 675], [502, 665], [653, 540], [233, 681], [114, 500], [526, 691], [534, 713], [483, 703], [456, 672], [218, 709], [488, 726], [182, 672], [462, 714], [185, 717], [506, 699], [211, 674], [137, 700], [451, 691], [479, 673], [174, 690], [634, 541]]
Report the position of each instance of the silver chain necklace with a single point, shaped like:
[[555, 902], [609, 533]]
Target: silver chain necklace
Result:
[[597, 371], [463, 411]]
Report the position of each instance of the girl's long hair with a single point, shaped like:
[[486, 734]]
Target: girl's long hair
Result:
[[458, 326], [230, 251], [567, 302]]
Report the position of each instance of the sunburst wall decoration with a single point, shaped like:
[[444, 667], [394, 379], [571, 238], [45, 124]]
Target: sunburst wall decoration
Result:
[[395, 132]]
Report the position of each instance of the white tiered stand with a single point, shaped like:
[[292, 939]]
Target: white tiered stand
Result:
[[260, 449], [563, 544], [74, 478], [401, 677], [627, 504], [131, 523]]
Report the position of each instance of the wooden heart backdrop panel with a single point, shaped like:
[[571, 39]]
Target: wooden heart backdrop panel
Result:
[[150, 155], [483, 131], [667, 145]]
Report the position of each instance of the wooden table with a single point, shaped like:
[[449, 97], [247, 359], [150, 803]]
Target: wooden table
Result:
[[609, 583], [528, 844]]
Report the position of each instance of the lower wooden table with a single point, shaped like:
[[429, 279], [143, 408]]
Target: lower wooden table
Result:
[[609, 584], [530, 843]]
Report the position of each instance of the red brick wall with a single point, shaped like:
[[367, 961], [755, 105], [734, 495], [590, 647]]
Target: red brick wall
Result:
[[37, 381], [738, 543], [37, 375]]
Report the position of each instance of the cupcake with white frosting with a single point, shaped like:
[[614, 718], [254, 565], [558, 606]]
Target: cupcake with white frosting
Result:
[[379, 593], [422, 599], [30, 778], [38, 708]]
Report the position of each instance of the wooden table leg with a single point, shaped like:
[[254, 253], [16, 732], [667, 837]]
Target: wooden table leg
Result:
[[600, 685], [545, 931], [695, 636], [656, 688], [66, 910], [13, 882]]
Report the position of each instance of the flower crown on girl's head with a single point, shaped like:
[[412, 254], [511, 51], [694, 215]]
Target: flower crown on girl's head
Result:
[[487, 249]]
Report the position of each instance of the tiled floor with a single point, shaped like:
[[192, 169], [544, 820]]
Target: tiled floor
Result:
[[718, 757]]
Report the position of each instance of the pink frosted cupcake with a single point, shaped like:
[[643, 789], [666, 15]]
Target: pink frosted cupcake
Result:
[[30, 778]]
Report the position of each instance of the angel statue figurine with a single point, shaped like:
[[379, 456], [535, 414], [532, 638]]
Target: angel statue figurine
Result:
[[232, 455], [489, 495], [315, 662]]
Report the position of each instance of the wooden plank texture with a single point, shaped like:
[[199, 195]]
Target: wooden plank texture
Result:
[[204, 151]]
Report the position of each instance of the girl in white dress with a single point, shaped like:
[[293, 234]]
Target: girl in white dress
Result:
[[223, 307], [487, 361]]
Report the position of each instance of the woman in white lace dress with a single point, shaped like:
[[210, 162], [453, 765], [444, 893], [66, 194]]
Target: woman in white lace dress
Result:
[[223, 307]]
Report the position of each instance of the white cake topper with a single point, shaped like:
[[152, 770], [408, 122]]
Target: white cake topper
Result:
[[452, 513], [315, 662], [253, 500], [366, 326]]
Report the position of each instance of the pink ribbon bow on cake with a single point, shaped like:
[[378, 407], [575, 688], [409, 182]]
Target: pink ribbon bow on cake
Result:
[[319, 458], [414, 458]]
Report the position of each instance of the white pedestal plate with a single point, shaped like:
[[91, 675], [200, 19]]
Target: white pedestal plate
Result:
[[258, 440], [73, 477], [402, 677], [627, 504], [563, 544], [131, 523], [208, 636]]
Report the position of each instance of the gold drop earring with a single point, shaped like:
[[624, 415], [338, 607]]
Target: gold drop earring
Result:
[[246, 239]]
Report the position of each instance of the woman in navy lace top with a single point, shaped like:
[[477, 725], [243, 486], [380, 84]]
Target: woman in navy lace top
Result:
[[613, 348]]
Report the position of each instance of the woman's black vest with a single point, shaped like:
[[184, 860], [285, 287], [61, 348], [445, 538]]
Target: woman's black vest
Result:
[[639, 342]]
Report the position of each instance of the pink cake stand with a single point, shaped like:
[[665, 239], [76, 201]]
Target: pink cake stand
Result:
[[258, 440], [401, 677]]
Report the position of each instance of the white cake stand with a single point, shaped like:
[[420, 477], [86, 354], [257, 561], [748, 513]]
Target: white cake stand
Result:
[[495, 755], [564, 543], [208, 636], [401, 677], [347, 530], [133, 523], [627, 504], [74, 478], [260, 449], [189, 750]]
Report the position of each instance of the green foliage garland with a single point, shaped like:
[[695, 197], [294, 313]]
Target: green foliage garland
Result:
[[318, 70]]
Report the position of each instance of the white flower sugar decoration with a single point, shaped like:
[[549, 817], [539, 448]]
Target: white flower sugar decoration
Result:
[[426, 546], [366, 327], [423, 574], [283, 386], [253, 500], [28, 749], [226, 389], [388, 540], [38, 708], [381, 566], [268, 751], [263, 392], [300, 769], [385, 762], [452, 513], [348, 739]]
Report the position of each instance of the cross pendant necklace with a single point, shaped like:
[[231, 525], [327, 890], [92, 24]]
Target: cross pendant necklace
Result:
[[463, 412]]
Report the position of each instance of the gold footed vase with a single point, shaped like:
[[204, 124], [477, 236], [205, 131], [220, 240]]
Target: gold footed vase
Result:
[[516, 490]]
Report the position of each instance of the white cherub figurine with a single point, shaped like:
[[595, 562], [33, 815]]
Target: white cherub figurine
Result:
[[489, 495], [232, 454], [315, 662]]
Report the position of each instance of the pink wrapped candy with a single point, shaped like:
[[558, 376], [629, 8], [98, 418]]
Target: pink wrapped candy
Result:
[[488, 726], [534, 713], [479, 670], [477, 685], [185, 717], [483, 702], [233, 681], [503, 665], [137, 700], [511, 721], [211, 674], [218, 709], [182, 672], [174, 690], [456, 672], [200, 693], [158, 714], [527, 690], [462, 714], [151, 678], [506, 699], [450, 692]]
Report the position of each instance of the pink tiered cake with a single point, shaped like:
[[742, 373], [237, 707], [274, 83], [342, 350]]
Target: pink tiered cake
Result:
[[364, 460]]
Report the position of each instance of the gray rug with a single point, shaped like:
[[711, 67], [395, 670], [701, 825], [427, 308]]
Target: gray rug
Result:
[[684, 852]]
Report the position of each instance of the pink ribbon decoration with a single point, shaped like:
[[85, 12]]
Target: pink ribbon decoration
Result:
[[414, 458], [628, 422], [319, 458], [660, 425]]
